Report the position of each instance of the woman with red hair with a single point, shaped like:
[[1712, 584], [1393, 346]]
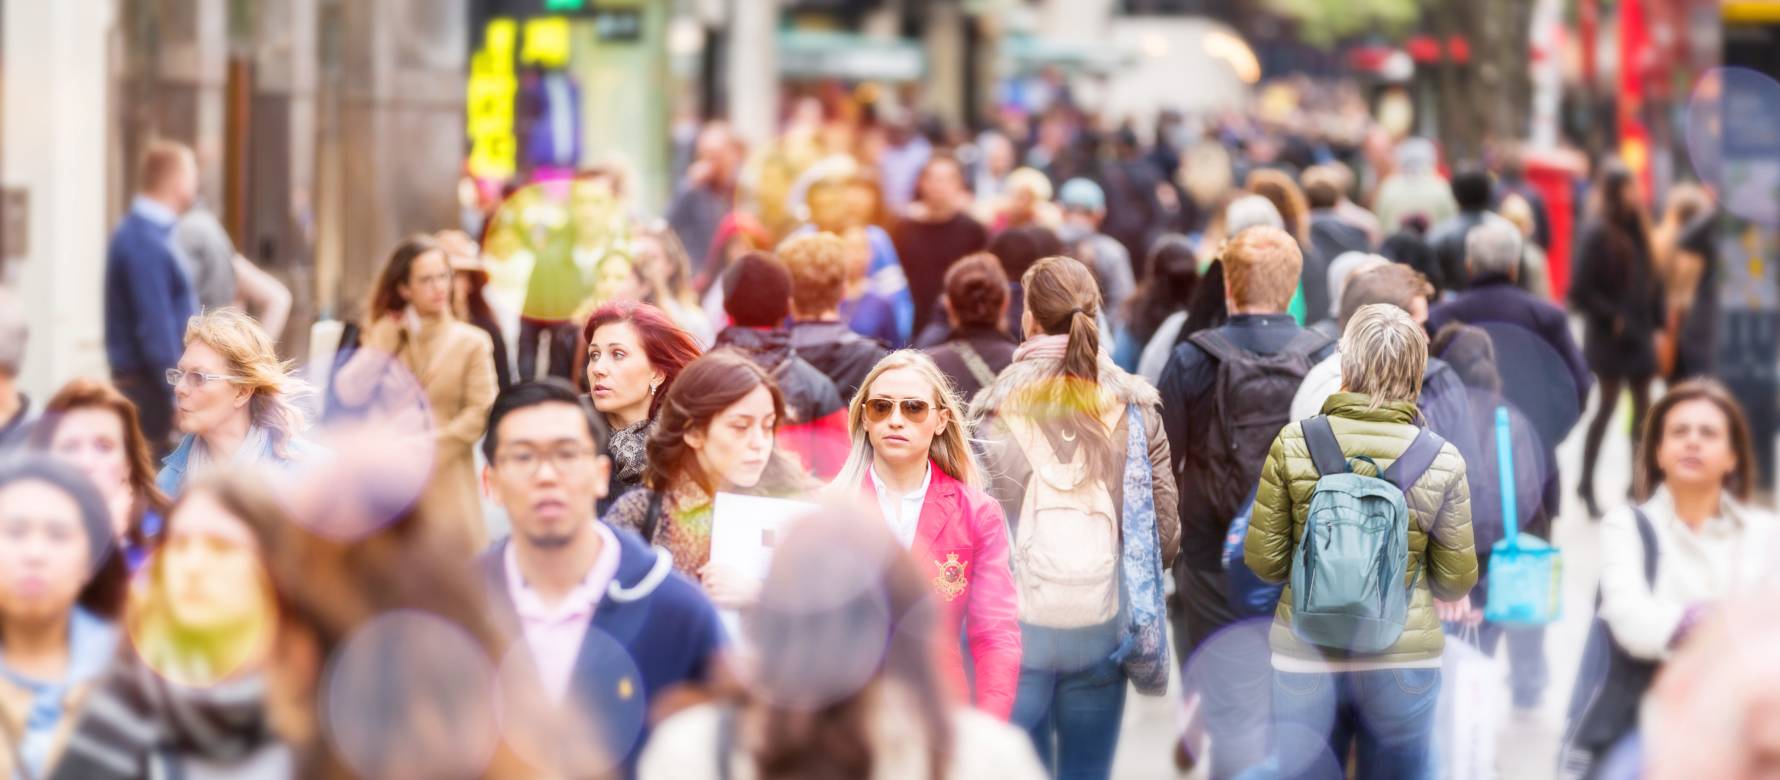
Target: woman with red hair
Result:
[[632, 352]]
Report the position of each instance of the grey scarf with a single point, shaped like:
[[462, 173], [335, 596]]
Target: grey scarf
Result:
[[630, 451]]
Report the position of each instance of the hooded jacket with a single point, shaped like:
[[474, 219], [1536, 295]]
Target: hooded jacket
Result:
[[657, 622], [1440, 543], [817, 430], [840, 354]]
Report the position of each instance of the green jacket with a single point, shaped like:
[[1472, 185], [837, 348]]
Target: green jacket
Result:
[[1440, 545]]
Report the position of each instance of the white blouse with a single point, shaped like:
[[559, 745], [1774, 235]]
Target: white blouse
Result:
[[1730, 554]]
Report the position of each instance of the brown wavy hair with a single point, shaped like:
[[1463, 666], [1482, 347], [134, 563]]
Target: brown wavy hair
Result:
[[84, 393], [706, 387], [1647, 475]]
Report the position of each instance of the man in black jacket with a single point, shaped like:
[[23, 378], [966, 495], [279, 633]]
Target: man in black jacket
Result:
[[1472, 188], [818, 266]]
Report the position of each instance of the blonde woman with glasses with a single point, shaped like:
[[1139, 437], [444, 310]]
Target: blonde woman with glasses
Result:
[[232, 400], [911, 461]]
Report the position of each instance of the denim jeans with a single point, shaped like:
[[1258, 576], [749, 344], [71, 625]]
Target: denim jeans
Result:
[[1073, 718], [1387, 714]]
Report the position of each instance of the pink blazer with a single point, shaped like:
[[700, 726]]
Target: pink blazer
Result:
[[961, 546]]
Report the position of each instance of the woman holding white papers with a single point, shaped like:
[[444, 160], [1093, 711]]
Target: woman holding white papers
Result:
[[912, 462], [714, 433]]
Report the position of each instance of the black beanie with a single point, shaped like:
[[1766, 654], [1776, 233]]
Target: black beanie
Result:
[[95, 518], [757, 291]]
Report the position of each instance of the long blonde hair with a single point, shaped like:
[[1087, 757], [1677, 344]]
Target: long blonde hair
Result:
[[254, 361], [950, 450]]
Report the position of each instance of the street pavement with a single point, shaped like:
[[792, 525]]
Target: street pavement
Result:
[[1528, 742]]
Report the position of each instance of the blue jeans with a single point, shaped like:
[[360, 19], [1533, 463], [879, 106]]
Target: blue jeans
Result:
[[1388, 714], [1073, 718], [1528, 672]]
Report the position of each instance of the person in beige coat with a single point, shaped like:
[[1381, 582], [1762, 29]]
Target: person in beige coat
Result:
[[411, 328]]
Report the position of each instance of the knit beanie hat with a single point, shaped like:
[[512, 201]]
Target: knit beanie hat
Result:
[[757, 291]]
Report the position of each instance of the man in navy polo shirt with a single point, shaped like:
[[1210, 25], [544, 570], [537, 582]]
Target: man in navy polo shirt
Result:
[[604, 620]]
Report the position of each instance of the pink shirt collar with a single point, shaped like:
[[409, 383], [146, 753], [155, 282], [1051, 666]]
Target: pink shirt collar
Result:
[[553, 633]]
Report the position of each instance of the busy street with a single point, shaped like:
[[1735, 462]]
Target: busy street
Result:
[[951, 389]]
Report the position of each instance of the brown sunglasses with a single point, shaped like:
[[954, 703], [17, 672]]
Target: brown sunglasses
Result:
[[913, 409]]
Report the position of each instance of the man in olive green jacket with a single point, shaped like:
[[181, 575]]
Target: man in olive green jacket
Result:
[[1385, 701]]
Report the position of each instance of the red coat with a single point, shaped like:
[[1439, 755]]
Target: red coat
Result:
[[961, 545]]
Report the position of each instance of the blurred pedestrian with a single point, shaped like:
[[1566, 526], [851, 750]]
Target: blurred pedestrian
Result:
[[913, 461], [818, 266], [1511, 180], [16, 415], [187, 696], [1342, 177], [1681, 255], [209, 255], [866, 312], [1332, 232], [89, 424], [975, 305], [469, 304], [1712, 712], [1060, 442], [1158, 308], [1410, 247], [935, 233], [585, 598], [846, 685], [832, 194], [757, 294], [716, 433], [55, 641], [989, 177], [148, 295], [1691, 543], [412, 333], [1621, 300], [1084, 210], [1382, 700], [1344, 269], [1246, 370], [633, 355], [1472, 191], [666, 271], [1414, 189], [1132, 208], [1535, 268], [1027, 202], [1313, 283], [235, 401], [707, 193], [1016, 250]]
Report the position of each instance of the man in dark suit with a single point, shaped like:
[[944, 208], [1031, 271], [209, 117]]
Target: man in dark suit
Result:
[[148, 293]]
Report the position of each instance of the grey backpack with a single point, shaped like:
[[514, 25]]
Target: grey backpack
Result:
[[1348, 570]]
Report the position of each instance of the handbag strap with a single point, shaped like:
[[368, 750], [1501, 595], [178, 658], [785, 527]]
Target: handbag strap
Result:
[[652, 517], [1647, 534], [973, 361], [726, 726], [15, 742], [1505, 465]]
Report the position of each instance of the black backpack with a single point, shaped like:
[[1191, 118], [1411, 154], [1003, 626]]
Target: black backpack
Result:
[[1253, 401]]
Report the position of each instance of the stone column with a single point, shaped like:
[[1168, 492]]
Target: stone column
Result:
[[52, 155], [754, 70], [943, 39]]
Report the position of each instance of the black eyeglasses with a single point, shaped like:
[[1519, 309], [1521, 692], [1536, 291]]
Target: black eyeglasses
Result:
[[913, 409]]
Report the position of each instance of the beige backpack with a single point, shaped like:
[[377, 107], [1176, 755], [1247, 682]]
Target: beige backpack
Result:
[[1066, 544]]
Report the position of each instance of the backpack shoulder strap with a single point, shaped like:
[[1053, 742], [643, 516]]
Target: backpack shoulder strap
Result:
[[726, 727], [1325, 449], [1307, 342], [1409, 467], [1217, 345], [1647, 535]]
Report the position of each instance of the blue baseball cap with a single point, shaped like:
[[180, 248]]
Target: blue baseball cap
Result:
[[1082, 194]]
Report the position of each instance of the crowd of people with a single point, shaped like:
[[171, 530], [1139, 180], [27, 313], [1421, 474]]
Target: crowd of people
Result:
[[1055, 429]]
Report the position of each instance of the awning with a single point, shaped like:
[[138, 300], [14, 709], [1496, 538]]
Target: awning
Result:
[[1027, 53], [805, 54]]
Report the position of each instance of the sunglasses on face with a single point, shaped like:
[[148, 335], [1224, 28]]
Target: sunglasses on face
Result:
[[913, 409]]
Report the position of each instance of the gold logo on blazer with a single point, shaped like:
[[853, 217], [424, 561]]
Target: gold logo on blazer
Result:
[[951, 580]]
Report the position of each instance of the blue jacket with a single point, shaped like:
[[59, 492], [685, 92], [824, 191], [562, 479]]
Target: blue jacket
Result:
[[147, 297], [653, 623], [172, 478], [1544, 375]]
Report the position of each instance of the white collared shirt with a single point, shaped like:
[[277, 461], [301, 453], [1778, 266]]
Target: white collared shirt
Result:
[[903, 516], [554, 632]]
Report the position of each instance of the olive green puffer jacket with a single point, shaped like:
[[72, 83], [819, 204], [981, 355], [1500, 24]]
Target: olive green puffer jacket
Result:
[[1440, 545]]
